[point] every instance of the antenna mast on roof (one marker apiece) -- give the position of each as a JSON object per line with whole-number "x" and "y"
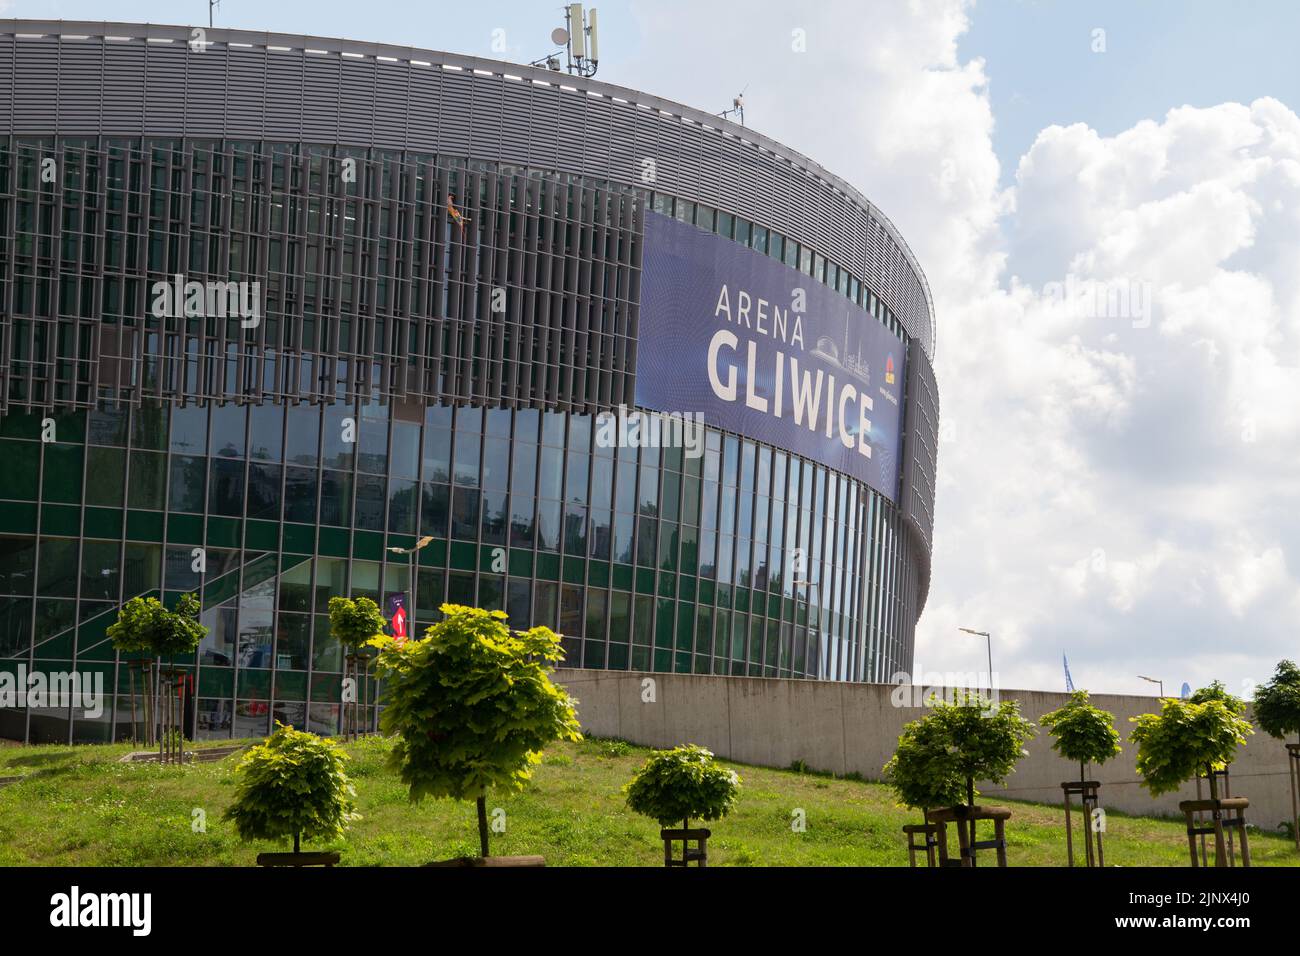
{"x": 579, "y": 41}
{"x": 211, "y": 5}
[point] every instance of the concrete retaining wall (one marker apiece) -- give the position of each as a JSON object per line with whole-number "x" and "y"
{"x": 845, "y": 728}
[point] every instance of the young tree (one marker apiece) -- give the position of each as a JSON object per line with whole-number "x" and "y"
{"x": 473, "y": 706}
{"x": 681, "y": 784}
{"x": 1083, "y": 733}
{"x": 354, "y": 623}
{"x": 1277, "y": 703}
{"x": 1187, "y": 738}
{"x": 922, "y": 772}
{"x": 145, "y": 625}
{"x": 292, "y": 785}
{"x": 1277, "y": 711}
{"x": 986, "y": 740}
{"x": 1216, "y": 691}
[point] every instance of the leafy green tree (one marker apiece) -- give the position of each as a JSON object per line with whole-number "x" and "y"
{"x": 681, "y": 784}
{"x": 473, "y": 706}
{"x": 985, "y": 740}
{"x": 293, "y": 784}
{"x": 1082, "y": 732}
{"x": 145, "y": 625}
{"x": 1216, "y": 691}
{"x": 1188, "y": 738}
{"x": 1277, "y": 703}
{"x": 922, "y": 772}
{"x": 355, "y": 622}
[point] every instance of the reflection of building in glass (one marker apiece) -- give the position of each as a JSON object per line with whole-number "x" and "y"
{"x": 389, "y": 392}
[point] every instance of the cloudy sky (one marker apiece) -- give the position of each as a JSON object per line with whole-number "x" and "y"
{"x": 1106, "y": 200}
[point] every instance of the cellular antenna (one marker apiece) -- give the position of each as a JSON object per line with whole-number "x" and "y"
{"x": 579, "y": 43}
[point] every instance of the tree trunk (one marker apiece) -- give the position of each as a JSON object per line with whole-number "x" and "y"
{"x": 482, "y": 825}
{"x": 296, "y": 837}
{"x": 970, "y": 802}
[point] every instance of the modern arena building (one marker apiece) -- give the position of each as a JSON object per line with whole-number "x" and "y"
{"x": 275, "y": 310}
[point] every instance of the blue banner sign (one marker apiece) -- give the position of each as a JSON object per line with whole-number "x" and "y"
{"x": 761, "y": 349}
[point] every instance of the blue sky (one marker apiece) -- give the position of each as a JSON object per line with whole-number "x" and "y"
{"x": 1120, "y": 487}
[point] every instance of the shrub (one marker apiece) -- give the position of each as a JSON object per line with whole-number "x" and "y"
{"x": 681, "y": 784}
{"x": 292, "y": 785}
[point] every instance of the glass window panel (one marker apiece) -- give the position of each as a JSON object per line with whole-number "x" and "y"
{"x": 437, "y": 454}
{"x": 188, "y": 484}
{"x": 372, "y": 453}
{"x": 107, "y": 466}
{"x": 263, "y": 491}
{"x": 550, "y": 472}
{"x": 300, "y": 495}
{"x": 149, "y": 427}
{"x": 57, "y": 568}
{"x": 496, "y": 463}
{"x": 226, "y": 493}
{"x": 403, "y": 501}
{"x": 335, "y": 498}
{"x": 404, "y": 460}
{"x": 101, "y": 564}
{"x": 218, "y": 645}
{"x": 189, "y": 433}
{"x": 107, "y": 426}
{"x": 61, "y": 480}
{"x": 465, "y": 514}
{"x": 331, "y": 581}
{"x": 365, "y": 580}
{"x": 371, "y": 498}
{"x": 142, "y": 569}
{"x": 17, "y": 565}
{"x": 338, "y": 436}
{"x": 293, "y": 641}
{"x": 434, "y": 508}
{"x": 302, "y": 434}
{"x": 228, "y": 424}
{"x": 266, "y": 428}
{"x": 467, "y": 458}
{"x": 494, "y": 517}
{"x": 548, "y": 525}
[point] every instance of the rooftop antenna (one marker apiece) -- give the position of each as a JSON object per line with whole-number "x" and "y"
{"x": 211, "y": 5}
{"x": 737, "y": 107}
{"x": 579, "y": 42}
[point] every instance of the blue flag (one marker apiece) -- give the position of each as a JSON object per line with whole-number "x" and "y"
{"x": 1069, "y": 681}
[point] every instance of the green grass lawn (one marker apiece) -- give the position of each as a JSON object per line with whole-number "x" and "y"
{"x": 79, "y": 806}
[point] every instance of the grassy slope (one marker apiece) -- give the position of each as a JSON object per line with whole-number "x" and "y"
{"x": 81, "y": 807}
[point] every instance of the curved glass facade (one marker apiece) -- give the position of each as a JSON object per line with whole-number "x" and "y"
{"x": 446, "y": 305}
{"x": 643, "y": 558}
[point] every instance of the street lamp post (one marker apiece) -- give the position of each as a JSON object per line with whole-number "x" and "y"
{"x": 1153, "y": 680}
{"x": 989, "y": 638}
